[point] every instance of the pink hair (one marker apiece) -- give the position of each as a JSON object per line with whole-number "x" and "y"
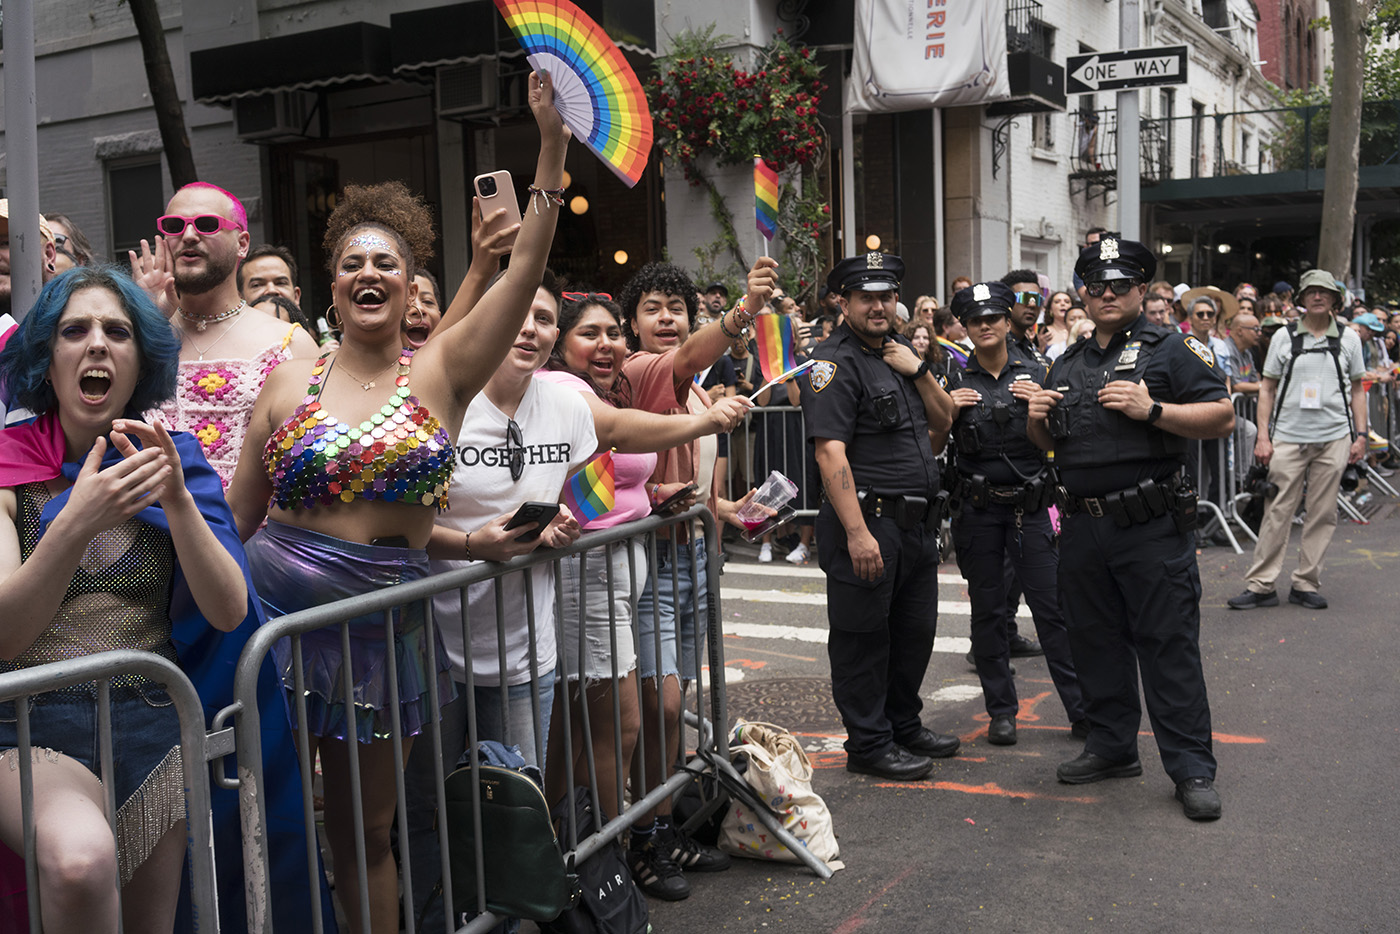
{"x": 240, "y": 215}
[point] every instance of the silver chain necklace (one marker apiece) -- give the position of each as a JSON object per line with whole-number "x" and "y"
{"x": 201, "y": 322}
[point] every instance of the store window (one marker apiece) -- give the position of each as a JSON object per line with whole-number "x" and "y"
{"x": 135, "y": 198}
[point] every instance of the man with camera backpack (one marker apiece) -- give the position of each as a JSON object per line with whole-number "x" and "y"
{"x": 1312, "y": 423}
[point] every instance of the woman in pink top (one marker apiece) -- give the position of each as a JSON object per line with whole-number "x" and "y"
{"x": 588, "y": 357}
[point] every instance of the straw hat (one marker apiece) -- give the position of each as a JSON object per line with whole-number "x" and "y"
{"x": 1225, "y": 303}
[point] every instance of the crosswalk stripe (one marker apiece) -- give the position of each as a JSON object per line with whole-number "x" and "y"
{"x": 783, "y": 569}
{"x": 945, "y": 607}
{"x": 960, "y": 645}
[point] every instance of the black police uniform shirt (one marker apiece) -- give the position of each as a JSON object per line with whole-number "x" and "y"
{"x": 1104, "y": 450}
{"x": 852, "y": 395}
{"x": 1001, "y": 447}
{"x": 1027, "y": 348}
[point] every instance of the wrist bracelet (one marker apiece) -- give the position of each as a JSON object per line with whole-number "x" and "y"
{"x": 923, "y": 368}
{"x": 654, "y": 490}
{"x": 728, "y": 333}
{"x": 555, "y": 195}
{"x": 741, "y": 311}
{"x": 467, "y": 545}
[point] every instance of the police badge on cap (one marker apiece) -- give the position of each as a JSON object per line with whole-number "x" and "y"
{"x": 871, "y": 272}
{"x": 983, "y": 298}
{"x": 1115, "y": 258}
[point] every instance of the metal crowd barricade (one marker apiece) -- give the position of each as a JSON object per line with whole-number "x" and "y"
{"x": 102, "y": 667}
{"x": 711, "y": 741}
{"x": 774, "y": 437}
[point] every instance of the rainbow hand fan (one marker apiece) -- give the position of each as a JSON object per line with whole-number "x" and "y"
{"x": 595, "y": 90}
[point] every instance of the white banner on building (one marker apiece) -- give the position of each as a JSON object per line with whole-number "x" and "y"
{"x": 915, "y": 54}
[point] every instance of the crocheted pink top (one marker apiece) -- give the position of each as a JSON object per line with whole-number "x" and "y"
{"x": 214, "y": 402}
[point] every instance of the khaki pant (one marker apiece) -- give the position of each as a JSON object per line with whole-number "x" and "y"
{"x": 1321, "y": 465}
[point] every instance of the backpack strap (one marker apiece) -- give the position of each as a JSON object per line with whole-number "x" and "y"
{"x": 1334, "y": 347}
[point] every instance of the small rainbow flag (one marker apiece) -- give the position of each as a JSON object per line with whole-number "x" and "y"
{"x": 765, "y": 200}
{"x": 775, "y": 345}
{"x": 592, "y": 491}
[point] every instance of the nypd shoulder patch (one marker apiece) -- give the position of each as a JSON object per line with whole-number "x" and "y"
{"x": 820, "y": 375}
{"x": 1201, "y": 350}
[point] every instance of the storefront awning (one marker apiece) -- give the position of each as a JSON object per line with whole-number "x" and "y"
{"x": 350, "y": 54}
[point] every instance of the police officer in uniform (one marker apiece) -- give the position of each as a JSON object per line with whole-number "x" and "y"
{"x": 1001, "y": 490}
{"x": 1118, "y": 410}
{"x": 871, "y": 408}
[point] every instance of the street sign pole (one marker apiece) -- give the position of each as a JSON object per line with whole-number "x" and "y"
{"x": 22, "y": 158}
{"x": 1129, "y": 130}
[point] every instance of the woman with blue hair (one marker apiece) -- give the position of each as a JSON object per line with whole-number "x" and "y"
{"x": 107, "y": 532}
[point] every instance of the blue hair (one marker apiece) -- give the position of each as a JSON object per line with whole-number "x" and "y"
{"x": 24, "y": 363}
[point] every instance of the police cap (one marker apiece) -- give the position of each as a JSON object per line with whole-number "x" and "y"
{"x": 871, "y": 272}
{"x": 1115, "y": 258}
{"x": 984, "y": 298}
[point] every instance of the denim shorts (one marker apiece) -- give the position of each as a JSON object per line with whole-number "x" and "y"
{"x": 604, "y": 607}
{"x": 145, "y": 727}
{"x": 677, "y": 612}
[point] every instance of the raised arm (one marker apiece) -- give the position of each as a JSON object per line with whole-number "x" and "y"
{"x": 709, "y": 343}
{"x": 636, "y": 431}
{"x": 471, "y": 349}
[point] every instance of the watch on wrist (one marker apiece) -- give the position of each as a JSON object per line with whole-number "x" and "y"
{"x": 923, "y": 368}
{"x": 1154, "y": 413}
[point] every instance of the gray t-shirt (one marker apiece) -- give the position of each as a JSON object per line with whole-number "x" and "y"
{"x": 1314, "y": 410}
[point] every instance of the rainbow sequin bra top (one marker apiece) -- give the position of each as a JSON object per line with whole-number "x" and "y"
{"x": 400, "y": 454}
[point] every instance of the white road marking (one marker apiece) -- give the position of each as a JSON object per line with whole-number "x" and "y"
{"x": 954, "y": 607}
{"x": 953, "y": 644}
{"x": 955, "y": 692}
{"x": 783, "y": 569}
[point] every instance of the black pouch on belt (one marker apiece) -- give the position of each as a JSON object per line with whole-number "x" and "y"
{"x": 910, "y": 511}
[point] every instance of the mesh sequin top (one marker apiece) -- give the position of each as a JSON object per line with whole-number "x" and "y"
{"x": 400, "y": 454}
{"x": 119, "y": 597}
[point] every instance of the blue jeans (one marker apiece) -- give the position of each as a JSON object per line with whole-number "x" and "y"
{"x": 679, "y": 612}
{"x": 422, "y": 772}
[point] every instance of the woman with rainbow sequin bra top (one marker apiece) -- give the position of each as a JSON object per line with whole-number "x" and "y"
{"x": 355, "y": 454}
{"x": 103, "y": 545}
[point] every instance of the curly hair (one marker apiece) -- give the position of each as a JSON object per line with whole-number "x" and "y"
{"x": 620, "y": 396}
{"x": 25, "y": 361}
{"x": 666, "y": 278}
{"x": 389, "y": 206}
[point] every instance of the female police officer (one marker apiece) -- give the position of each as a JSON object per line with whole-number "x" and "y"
{"x": 1002, "y": 489}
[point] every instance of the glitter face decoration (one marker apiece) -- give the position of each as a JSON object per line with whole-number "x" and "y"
{"x": 372, "y": 241}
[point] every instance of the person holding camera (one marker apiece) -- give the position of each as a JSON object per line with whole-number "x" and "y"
{"x": 1312, "y": 423}
{"x": 1001, "y": 489}
{"x": 1118, "y": 411}
{"x": 871, "y": 408}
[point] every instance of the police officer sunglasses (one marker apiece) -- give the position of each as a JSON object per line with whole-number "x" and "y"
{"x": 173, "y": 225}
{"x": 1119, "y": 287}
{"x": 1030, "y": 299}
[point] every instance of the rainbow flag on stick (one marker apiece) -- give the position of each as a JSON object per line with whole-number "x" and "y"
{"x": 775, "y": 345}
{"x": 765, "y": 200}
{"x": 592, "y": 491}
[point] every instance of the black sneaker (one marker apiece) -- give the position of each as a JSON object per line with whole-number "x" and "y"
{"x": 657, "y": 874}
{"x": 689, "y": 855}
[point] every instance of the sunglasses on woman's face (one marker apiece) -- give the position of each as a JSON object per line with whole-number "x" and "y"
{"x": 1119, "y": 287}
{"x": 174, "y": 225}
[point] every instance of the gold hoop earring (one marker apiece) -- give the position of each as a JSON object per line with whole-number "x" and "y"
{"x": 333, "y": 316}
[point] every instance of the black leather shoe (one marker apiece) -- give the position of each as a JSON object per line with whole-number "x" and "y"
{"x": 1002, "y": 731}
{"x": 931, "y": 744}
{"x": 1079, "y": 729}
{"x": 898, "y": 764}
{"x": 1199, "y": 799}
{"x": 1249, "y": 600}
{"x": 1022, "y": 647}
{"x": 1088, "y": 767}
{"x": 972, "y": 660}
{"x": 1310, "y": 599}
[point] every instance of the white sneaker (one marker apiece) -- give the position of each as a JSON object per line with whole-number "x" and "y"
{"x": 798, "y": 555}
{"x": 765, "y": 553}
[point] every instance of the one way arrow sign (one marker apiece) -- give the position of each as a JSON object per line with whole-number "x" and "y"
{"x": 1128, "y": 68}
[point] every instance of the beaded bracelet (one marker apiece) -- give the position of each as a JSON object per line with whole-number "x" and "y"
{"x": 728, "y": 333}
{"x": 555, "y": 195}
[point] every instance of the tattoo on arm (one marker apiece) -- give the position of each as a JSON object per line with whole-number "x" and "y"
{"x": 845, "y": 478}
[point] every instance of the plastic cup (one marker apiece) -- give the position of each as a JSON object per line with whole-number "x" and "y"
{"x": 758, "y": 514}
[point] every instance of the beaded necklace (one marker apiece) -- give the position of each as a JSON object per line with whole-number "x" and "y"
{"x": 401, "y": 453}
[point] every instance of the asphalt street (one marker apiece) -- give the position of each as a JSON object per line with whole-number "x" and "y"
{"x": 1306, "y": 721}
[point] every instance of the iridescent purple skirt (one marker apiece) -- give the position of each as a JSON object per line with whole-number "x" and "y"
{"x": 295, "y": 568}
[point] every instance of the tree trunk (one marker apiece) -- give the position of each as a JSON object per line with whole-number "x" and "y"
{"x": 1340, "y": 181}
{"x": 165, "y": 97}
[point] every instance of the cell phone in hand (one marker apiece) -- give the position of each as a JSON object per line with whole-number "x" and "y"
{"x": 495, "y": 190}
{"x": 542, "y": 513}
{"x": 675, "y": 498}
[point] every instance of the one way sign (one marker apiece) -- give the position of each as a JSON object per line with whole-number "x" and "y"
{"x": 1129, "y": 68}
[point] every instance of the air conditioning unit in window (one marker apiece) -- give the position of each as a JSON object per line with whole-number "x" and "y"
{"x": 271, "y": 116}
{"x": 464, "y": 90}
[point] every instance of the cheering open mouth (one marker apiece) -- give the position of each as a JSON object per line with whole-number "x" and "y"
{"x": 370, "y": 297}
{"x": 95, "y": 384}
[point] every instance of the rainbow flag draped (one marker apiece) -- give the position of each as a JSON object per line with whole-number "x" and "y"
{"x": 775, "y": 345}
{"x": 957, "y": 351}
{"x": 765, "y": 200}
{"x": 592, "y": 491}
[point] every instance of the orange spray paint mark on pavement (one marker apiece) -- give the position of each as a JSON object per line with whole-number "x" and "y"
{"x": 858, "y": 920}
{"x": 990, "y": 788}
